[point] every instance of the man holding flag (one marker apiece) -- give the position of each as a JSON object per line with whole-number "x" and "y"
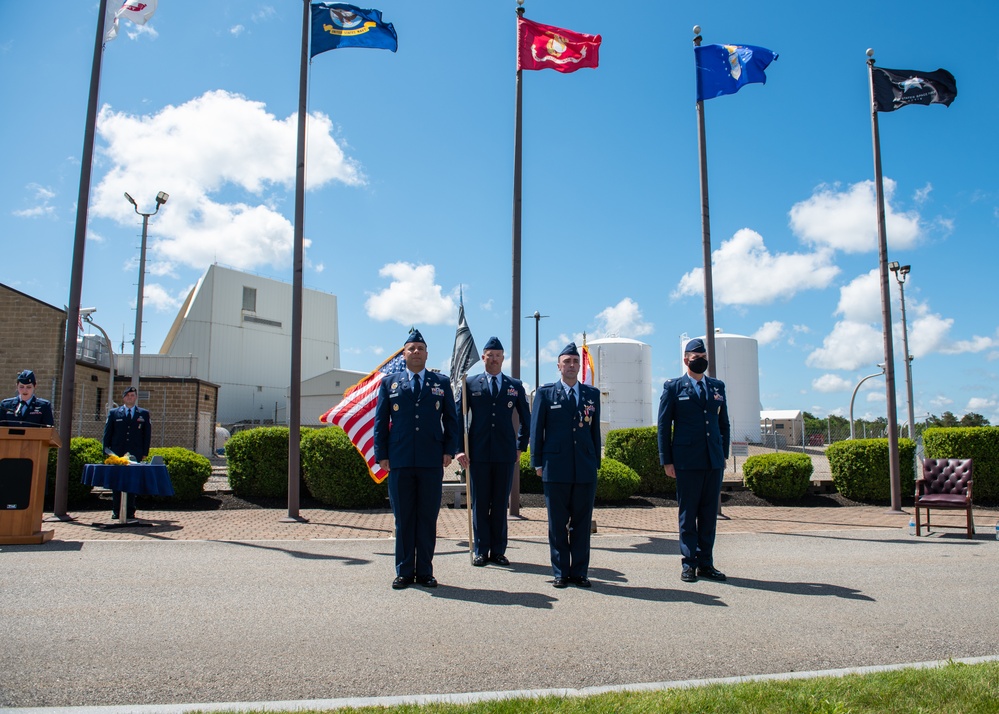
{"x": 499, "y": 431}
{"x": 416, "y": 437}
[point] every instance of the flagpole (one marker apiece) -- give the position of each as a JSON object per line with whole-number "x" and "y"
{"x": 893, "y": 460}
{"x": 515, "y": 313}
{"x": 61, "y": 495}
{"x": 709, "y": 307}
{"x": 295, "y": 405}
{"x": 468, "y": 469}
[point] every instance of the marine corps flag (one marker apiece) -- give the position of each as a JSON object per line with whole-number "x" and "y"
{"x": 895, "y": 88}
{"x": 547, "y": 47}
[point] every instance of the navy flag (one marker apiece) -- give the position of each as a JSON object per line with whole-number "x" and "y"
{"x": 725, "y": 69}
{"x": 336, "y": 25}
{"x": 895, "y": 88}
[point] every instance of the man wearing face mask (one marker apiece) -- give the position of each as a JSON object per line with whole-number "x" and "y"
{"x": 693, "y": 447}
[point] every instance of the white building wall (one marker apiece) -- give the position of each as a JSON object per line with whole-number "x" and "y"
{"x": 623, "y": 374}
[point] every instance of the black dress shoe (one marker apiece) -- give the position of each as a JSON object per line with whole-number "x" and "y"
{"x": 711, "y": 574}
{"x": 582, "y": 582}
{"x": 688, "y": 575}
{"x": 561, "y": 583}
{"x": 479, "y": 561}
{"x": 500, "y": 559}
{"x": 401, "y": 583}
{"x": 427, "y": 581}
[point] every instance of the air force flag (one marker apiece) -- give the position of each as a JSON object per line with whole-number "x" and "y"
{"x": 725, "y": 69}
{"x": 336, "y": 25}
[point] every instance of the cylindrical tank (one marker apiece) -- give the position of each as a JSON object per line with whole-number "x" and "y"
{"x": 623, "y": 373}
{"x": 737, "y": 363}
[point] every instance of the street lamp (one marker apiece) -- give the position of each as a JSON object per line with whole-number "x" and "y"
{"x": 87, "y": 314}
{"x": 537, "y": 317}
{"x": 901, "y": 271}
{"x": 857, "y": 388}
{"x": 161, "y": 198}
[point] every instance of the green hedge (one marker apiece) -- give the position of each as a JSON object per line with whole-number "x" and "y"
{"x": 778, "y": 475}
{"x": 82, "y": 451}
{"x": 860, "y": 468}
{"x": 188, "y": 472}
{"x": 530, "y": 482}
{"x": 638, "y": 448}
{"x": 980, "y": 443}
{"x": 258, "y": 462}
{"x": 616, "y": 481}
{"x": 336, "y": 473}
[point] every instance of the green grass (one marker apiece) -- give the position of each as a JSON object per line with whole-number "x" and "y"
{"x": 951, "y": 689}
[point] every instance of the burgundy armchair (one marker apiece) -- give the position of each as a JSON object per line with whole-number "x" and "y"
{"x": 946, "y": 485}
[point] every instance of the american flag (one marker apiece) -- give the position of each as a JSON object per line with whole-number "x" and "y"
{"x": 355, "y": 414}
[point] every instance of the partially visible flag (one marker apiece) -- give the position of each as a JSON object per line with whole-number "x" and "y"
{"x": 547, "y": 47}
{"x": 355, "y": 414}
{"x": 465, "y": 354}
{"x": 336, "y": 25}
{"x": 586, "y": 366}
{"x": 137, "y": 12}
{"x": 725, "y": 69}
{"x": 895, "y": 88}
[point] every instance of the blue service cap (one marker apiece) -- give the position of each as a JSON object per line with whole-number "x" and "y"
{"x": 129, "y": 390}
{"x": 569, "y": 349}
{"x": 26, "y": 376}
{"x": 695, "y": 345}
{"x": 415, "y": 336}
{"x": 493, "y": 344}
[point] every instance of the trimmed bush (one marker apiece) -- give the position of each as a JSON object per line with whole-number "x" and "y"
{"x": 778, "y": 475}
{"x": 638, "y": 448}
{"x": 860, "y": 468}
{"x": 336, "y": 473}
{"x": 82, "y": 451}
{"x": 616, "y": 481}
{"x": 530, "y": 482}
{"x": 979, "y": 443}
{"x": 188, "y": 472}
{"x": 258, "y": 462}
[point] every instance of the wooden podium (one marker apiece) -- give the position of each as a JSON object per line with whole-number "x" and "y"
{"x": 24, "y": 460}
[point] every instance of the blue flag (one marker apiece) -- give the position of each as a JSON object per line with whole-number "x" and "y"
{"x": 336, "y": 25}
{"x": 725, "y": 69}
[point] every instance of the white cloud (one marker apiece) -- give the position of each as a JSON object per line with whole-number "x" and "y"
{"x": 156, "y": 296}
{"x": 876, "y": 397}
{"x": 622, "y": 320}
{"x": 744, "y": 272}
{"x": 860, "y": 299}
{"x": 412, "y": 298}
{"x": 487, "y": 305}
{"x": 846, "y": 220}
{"x": 941, "y": 402}
{"x": 975, "y": 344}
{"x": 831, "y": 383}
{"x": 237, "y": 30}
{"x": 922, "y": 194}
{"x": 216, "y": 155}
{"x": 769, "y": 332}
{"x": 981, "y": 404}
{"x": 42, "y": 198}
{"x": 264, "y": 13}
{"x": 802, "y": 328}
{"x": 850, "y": 345}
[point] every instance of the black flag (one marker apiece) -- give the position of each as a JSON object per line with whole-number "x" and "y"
{"x": 895, "y": 88}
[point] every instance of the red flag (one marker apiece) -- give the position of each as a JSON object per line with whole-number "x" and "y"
{"x": 586, "y": 366}
{"x": 547, "y": 47}
{"x": 356, "y": 413}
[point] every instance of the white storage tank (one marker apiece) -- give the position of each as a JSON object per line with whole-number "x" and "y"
{"x": 737, "y": 363}
{"x": 622, "y": 370}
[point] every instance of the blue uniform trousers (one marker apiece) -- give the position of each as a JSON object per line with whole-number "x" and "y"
{"x": 697, "y": 493}
{"x": 491, "y": 484}
{"x": 415, "y": 495}
{"x": 570, "y": 512}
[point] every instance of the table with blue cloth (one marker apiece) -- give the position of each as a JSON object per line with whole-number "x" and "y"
{"x": 142, "y": 479}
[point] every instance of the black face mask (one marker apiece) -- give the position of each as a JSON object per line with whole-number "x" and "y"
{"x": 698, "y": 365}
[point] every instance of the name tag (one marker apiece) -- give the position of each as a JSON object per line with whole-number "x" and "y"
{"x": 682, "y": 398}
{"x": 556, "y": 406}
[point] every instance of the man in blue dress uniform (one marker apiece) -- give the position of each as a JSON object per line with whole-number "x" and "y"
{"x": 26, "y": 409}
{"x": 693, "y": 447}
{"x": 565, "y": 452}
{"x": 416, "y": 436}
{"x": 127, "y": 431}
{"x": 494, "y": 444}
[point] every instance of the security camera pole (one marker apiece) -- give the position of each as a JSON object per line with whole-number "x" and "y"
{"x": 161, "y": 198}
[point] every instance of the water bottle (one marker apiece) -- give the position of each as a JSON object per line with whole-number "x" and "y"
{"x": 997, "y": 530}
{"x": 912, "y": 527}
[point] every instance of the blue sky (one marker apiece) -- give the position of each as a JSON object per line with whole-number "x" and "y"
{"x": 410, "y": 180}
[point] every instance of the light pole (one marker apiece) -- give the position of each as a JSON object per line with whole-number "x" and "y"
{"x": 87, "y": 314}
{"x": 901, "y": 271}
{"x": 537, "y": 317}
{"x": 161, "y": 198}
{"x": 856, "y": 389}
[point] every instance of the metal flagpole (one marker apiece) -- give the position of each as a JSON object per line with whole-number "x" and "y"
{"x": 709, "y": 307}
{"x": 468, "y": 469}
{"x": 61, "y": 496}
{"x": 295, "y": 407}
{"x": 889, "y": 366}
{"x": 515, "y": 313}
